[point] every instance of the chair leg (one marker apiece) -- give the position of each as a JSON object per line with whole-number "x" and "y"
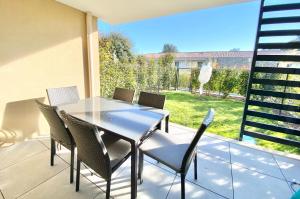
{"x": 182, "y": 186}
{"x": 141, "y": 166}
{"x": 159, "y": 126}
{"x": 72, "y": 165}
{"x": 108, "y": 189}
{"x": 195, "y": 167}
{"x": 78, "y": 174}
{"x": 52, "y": 152}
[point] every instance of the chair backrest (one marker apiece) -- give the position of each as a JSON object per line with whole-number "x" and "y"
{"x": 124, "y": 94}
{"x": 189, "y": 153}
{"x": 152, "y": 100}
{"x": 58, "y": 130}
{"x": 90, "y": 147}
{"x": 63, "y": 95}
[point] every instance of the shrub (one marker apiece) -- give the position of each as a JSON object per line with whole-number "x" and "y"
{"x": 195, "y": 84}
{"x": 230, "y": 81}
{"x": 243, "y": 82}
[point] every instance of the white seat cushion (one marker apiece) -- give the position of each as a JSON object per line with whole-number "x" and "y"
{"x": 167, "y": 148}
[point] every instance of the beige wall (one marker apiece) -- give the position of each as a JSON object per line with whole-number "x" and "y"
{"x": 42, "y": 44}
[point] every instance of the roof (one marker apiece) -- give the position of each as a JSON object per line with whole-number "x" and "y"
{"x": 211, "y": 54}
{"x": 122, "y": 11}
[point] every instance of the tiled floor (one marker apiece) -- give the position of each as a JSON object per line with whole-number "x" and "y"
{"x": 226, "y": 169}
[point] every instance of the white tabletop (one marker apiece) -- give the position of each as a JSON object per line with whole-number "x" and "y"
{"x": 131, "y": 121}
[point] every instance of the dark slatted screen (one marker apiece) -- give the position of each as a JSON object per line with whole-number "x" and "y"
{"x": 272, "y": 108}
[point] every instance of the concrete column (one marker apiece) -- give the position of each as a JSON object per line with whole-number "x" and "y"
{"x": 93, "y": 55}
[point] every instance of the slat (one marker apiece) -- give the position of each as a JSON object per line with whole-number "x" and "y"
{"x": 293, "y": 71}
{"x": 272, "y": 138}
{"x": 281, "y": 7}
{"x": 273, "y": 128}
{"x": 268, "y": 33}
{"x": 276, "y": 82}
{"x": 274, "y": 106}
{"x": 273, "y": 117}
{"x": 275, "y": 94}
{"x": 291, "y": 58}
{"x": 275, "y": 20}
{"x": 289, "y": 45}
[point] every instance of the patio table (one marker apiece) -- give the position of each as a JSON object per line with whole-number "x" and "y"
{"x": 130, "y": 122}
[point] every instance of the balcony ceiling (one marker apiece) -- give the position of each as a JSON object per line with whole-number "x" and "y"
{"x": 122, "y": 11}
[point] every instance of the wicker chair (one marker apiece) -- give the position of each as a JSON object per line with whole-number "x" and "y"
{"x": 152, "y": 100}
{"x": 58, "y": 132}
{"x": 174, "y": 151}
{"x": 123, "y": 94}
{"x": 102, "y": 153}
{"x": 63, "y": 95}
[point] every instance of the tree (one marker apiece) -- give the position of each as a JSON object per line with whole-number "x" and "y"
{"x": 229, "y": 82}
{"x": 166, "y": 71}
{"x": 120, "y": 47}
{"x": 195, "y": 84}
{"x": 169, "y": 48}
{"x": 243, "y": 82}
{"x": 152, "y": 72}
{"x": 141, "y": 72}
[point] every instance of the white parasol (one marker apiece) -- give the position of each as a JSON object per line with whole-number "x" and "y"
{"x": 204, "y": 76}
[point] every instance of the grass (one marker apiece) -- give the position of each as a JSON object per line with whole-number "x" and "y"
{"x": 189, "y": 110}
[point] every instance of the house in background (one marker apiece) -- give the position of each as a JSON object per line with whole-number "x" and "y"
{"x": 221, "y": 59}
{"x": 188, "y": 60}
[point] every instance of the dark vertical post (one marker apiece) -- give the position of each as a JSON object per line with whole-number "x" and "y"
{"x": 78, "y": 174}
{"x": 141, "y": 166}
{"x": 133, "y": 169}
{"x": 52, "y": 152}
{"x": 167, "y": 123}
{"x": 182, "y": 186}
{"x": 108, "y": 183}
{"x": 72, "y": 164}
{"x": 195, "y": 166}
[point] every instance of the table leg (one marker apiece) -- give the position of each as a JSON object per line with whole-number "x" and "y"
{"x": 134, "y": 154}
{"x": 167, "y": 124}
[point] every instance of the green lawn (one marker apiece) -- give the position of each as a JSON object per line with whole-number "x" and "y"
{"x": 188, "y": 109}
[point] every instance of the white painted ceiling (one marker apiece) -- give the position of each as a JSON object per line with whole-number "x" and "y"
{"x": 122, "y": 11}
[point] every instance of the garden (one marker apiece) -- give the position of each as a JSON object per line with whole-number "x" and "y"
{"x": 119, "y": 67}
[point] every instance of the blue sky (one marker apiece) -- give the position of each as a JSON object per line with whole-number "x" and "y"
{"x": 215, "y": 29}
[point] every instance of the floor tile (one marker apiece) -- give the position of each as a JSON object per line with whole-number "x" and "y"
{"x": 214, "y": 147}
{"x": 25, "y": 175}
{"x": 98, "y": 180}
{"x": 59, "y": 187}
{"x": 213, "y": 174}
{"x": 46, "y": 142}
{"x": 20, "y": 151}
{"x": 65, "y": 154}
{"x": 251, "y": 185}
{"x": 154, "y": 162}
{"x": 191, "y": 191}
{"x": 156, "y": 183}
{"x": 290, "y": 167}
{"x": 255, "y": 160}
{"x": 177, "y": 129}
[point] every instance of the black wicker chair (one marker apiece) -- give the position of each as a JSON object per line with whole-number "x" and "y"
{"x": 124, "y": 94}
{"x": 102, "y": 153}
{"x": 152, "y": 100}
{"x": 58, "y": 133}
{"x": 63, "y": 95}
{"x": 163, "y": 148}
